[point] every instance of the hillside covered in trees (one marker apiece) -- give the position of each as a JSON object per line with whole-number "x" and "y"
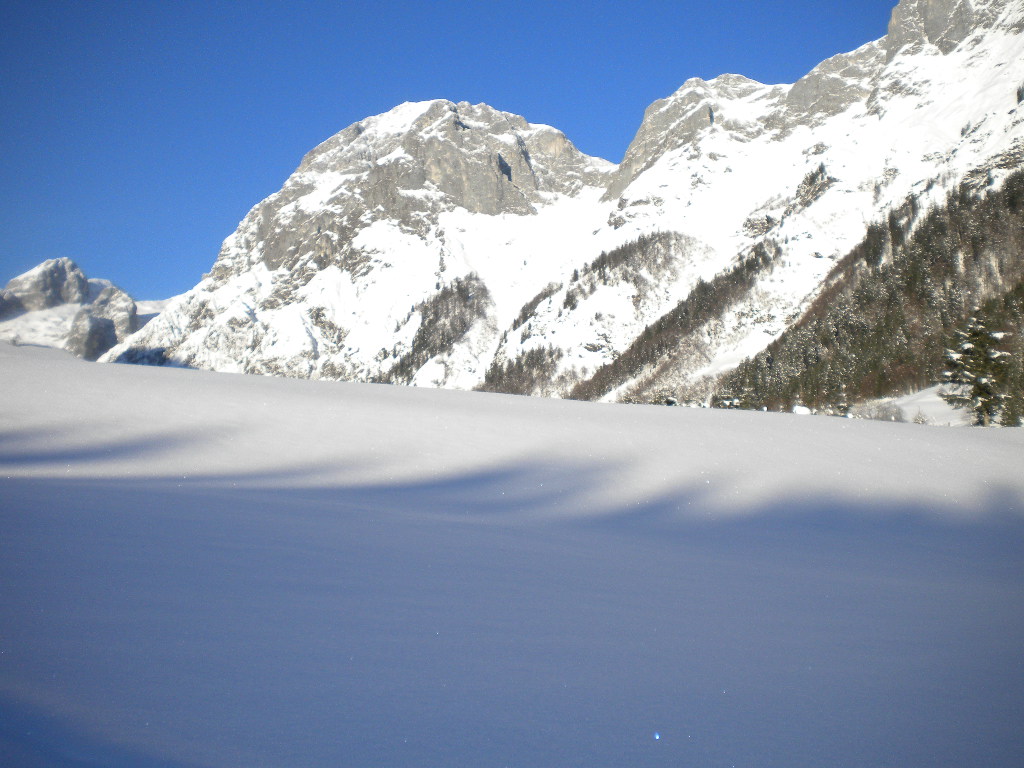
{"x": 891, "y": 306}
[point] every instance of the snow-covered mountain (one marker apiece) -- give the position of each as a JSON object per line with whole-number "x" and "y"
{"x": 455, "y": 245}
{"x": 55, "y": 305}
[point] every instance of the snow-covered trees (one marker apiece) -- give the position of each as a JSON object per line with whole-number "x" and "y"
{"x": 976, "y": 372}
{"x": 882, "y": 324}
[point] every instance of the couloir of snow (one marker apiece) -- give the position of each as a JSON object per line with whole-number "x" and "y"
{"x": 203, "y": 569}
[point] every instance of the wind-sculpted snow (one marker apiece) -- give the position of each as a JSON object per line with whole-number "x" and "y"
{"x": 208, "y": 569}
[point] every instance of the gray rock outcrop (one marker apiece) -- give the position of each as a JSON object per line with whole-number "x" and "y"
{"x": 110, "y": 319}
{"x": 54, "y": 282}
{"x": 942, "y": 23}
{"x": 832, "y": 87}
{"x": 117, "y": 306}
{"x": 90, "y": 336}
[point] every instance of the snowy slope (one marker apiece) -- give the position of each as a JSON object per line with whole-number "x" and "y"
{"x": 46, "y": 327}
{"x": 205, "y": 569}
{"x": 911, "y": 115}
{"x": 928, "y": 407}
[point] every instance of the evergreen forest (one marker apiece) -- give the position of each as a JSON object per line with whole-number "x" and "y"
{"x": 893, "y": 305}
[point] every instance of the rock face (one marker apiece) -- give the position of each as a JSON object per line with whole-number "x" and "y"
{"x": 54, "y": 304}
{"x": 54, "y": 282}
{"x": 109, "y": 319}
{"x": 444, "y": 244}
{"x": 90, "y": 336}
{"x": 941, "y": 23}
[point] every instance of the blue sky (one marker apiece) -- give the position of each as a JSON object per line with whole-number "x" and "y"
{"x": 134, "y": 136}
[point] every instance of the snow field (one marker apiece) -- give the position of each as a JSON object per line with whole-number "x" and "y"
{"x": 206, "y": 569}
{"x": 47, "y": 327}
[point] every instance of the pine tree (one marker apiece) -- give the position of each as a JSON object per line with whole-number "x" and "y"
{"x": 975, "y": 372}
{"x": 1013, "y": 412}
{"x": 842, "y": 402}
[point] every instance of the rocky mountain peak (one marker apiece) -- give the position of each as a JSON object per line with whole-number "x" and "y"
{"x": 54, "y": 304}
{"x": 478, "y": 157}
{"x": 408, "y": 164}
{"x": 694, "y": 110}
{"x": 54, "y": 282}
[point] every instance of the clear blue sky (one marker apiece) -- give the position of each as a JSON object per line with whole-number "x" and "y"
{"x": 134, "y": 136}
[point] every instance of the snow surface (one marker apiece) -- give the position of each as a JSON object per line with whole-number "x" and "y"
{"x": 927, "y": 405}
{"x": 49, "y": 327}
{"x": 154, "y": 307}
{"x": 45, "y": 327}
{"x": 204, "y": 569}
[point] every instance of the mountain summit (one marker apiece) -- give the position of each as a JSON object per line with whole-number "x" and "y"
{"x": 55, "y": 305}
{"x": 455, "y": 245}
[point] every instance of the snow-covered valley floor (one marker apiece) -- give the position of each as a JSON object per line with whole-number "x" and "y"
{"x": 202, "y": 569}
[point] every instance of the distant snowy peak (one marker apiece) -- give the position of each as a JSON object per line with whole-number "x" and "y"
{"x": 55, "y": 305}
{"x": 749, "y": 110}
{"x": 54, "y": 282}
{"x": 407, "y": 166}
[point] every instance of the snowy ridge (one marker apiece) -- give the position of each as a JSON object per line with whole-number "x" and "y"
{"x": 335, "y": 275}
